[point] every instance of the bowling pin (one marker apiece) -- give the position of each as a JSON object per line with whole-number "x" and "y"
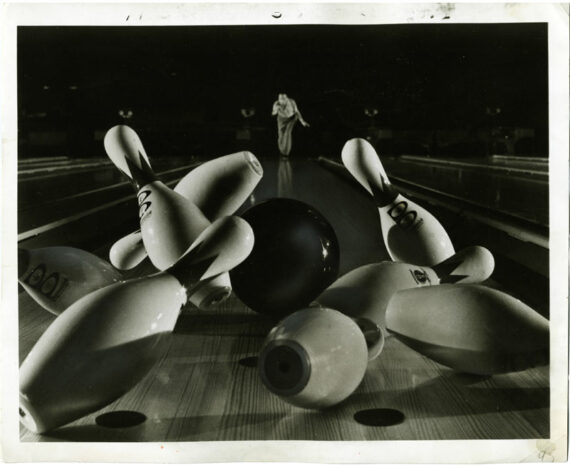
{"x": 55, "y": 277}
{"x": 169, "y": 222}
{"x": 106, "y": 342}
{"x": 411, "y": 234}
{"x": 314, "y": 358}
{"x": 217, "y": 187}
{"x": 220, "y": 186}
{"x": 364, "y": 293}
{"x": 470, "y": 328}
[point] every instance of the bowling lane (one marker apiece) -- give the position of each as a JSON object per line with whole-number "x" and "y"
{"x": 517, "y": 189}
{"x": 88, "y": 210}
{"x": 80, "y": 192}
{"x": 65, "y": 178}
{"x": 54, "y": 181}
{"x": 207, "y": 388}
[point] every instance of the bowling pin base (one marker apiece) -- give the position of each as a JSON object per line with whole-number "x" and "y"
{"x": 211, "y": 292}
{"x": 29, "y": 418}
{"x": 477, "y": 362}
{"x": 285, "y": 367}
{"x": 206, "y": 297}
{"x": 314, "y": 359}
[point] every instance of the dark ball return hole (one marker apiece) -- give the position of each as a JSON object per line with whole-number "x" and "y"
{"x": 379, "y": 417}
{"x": 250, "y": 362}
{"x": 120, "y": 419}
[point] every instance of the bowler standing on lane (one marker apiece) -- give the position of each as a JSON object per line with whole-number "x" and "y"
{"x": 287, "y": 115}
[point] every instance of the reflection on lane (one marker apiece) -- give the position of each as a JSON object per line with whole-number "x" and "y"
{"x": 525, "y": 197}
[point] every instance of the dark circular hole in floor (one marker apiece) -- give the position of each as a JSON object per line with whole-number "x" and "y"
{"x": 379, "y": 417}
{"x": 250, "y": 362}
{"x": 120, "y": 419}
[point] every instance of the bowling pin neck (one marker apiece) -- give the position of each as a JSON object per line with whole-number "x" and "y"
{"x": 190, "y": 269}
{"x": 126, "y": 151}
{"x": 470, "y": 265}
{"x": 23, "y": 261}
{"x": 373, "y": 336}
{"x": 141, "y": 173}
{"x": 385, "y": 193}
{"x": 363, "y": 162}
{"x": 222, "y": 246}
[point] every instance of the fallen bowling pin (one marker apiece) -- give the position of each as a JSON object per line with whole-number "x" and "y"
{"x": 169, "y": 222}
{"x": 364, "y": 293}
{"x": 411, "y": 234}
{"x": 217, "y": 187}
{"x": 106, "y": 342}
{"x": 56, "y": 277}
{"x": 314, "y": 358}
{"x": 470, "y": 328}
{"x": 220, "y": 186}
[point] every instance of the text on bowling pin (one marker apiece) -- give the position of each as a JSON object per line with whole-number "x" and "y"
{"x": 404, "y": 218}
{"x": 51, "y": 286}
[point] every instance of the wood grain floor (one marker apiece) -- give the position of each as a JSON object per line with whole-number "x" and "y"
{"x": 203, "y": 391}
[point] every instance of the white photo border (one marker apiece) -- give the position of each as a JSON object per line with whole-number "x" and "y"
{"x": 230, "y": 13}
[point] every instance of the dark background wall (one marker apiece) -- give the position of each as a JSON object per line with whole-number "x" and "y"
{"x": 457, "y": 90}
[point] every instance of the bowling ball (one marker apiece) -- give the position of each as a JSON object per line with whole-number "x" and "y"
{"x": 294, "y": 258}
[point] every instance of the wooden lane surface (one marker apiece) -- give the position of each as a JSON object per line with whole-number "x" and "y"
{"x": 200, "y": 391}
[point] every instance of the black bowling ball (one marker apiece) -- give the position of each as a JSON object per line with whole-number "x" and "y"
{"x": 294, "y": 258}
